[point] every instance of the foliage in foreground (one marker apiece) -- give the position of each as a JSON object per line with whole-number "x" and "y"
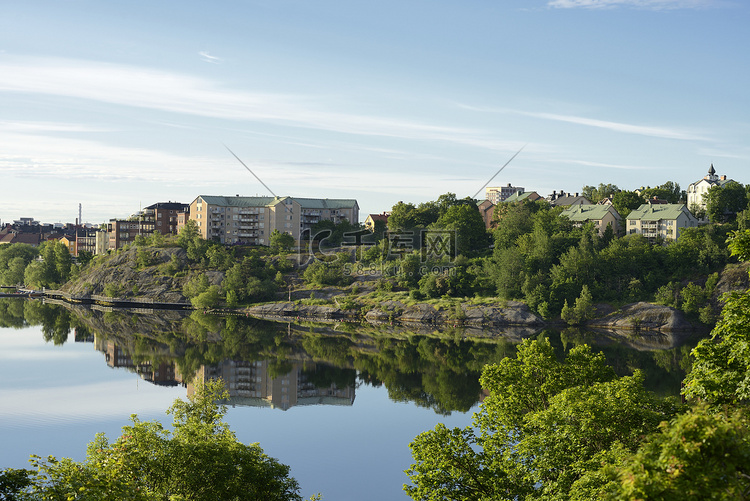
{"x": 545, "y": 425}
{"x": 201, "y": 459}
{"x": 572, "y": 430}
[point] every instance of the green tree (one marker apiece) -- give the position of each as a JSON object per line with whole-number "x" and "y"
{"x": 544, "y": 425}
{"x": 467, "y": 226}
{"x": 697, "y": 455}
{"x": 582, "y": 311}
{"x": 207, "y": 299}
{"x": 599, "y": 193}
{"x": 14, "y": 259}
{"x": 280, "y": 242}
{"x": 199, "y": 459}
{"x": 626, "y": 201}
{"x": 724, "y": 202}
{"x": 188, "y": 233}
{"x": 197, "y": 285}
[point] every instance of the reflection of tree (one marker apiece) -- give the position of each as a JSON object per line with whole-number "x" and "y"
{"x": 325, "y": 376}
{"x": 278, "y": 368}
{"x": 440, "y": 373}
{"x": 11, "y": 313}
{"x": 663, "y": 369}
{"x": 55, "y": 322}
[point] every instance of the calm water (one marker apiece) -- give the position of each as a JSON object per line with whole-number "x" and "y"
{"x": 340, "y": 407}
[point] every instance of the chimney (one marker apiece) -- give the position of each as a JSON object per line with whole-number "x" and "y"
{"x": 724, "y": 178}
{"x": 576, "y": 193}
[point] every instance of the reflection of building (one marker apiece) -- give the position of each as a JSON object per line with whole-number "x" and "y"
{"x": 162, "y": 374}
{"x": 249, "y": 383}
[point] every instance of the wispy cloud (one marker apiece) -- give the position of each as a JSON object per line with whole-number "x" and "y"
{"x": 639, "y": 4}
{"x": 663, "y": 132}
{"x": 642, "y": 130}
{"x": 184, "y": 94}
{"x": 208, "y": 58}
{"x": 605, "y": 165}
{"x": 39, "y": 127}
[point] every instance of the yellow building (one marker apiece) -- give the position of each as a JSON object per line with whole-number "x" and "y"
{"x": 664, "y": 221}
{"x": 251, "y": 220}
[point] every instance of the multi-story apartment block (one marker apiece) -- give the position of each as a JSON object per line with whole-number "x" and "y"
{"x": 601, "y": 215}
{"x": 500, "y": 193}
{"x": 122, "y": 233}
{"x": 251, "y": 220}
{"x": 164, "y": 215}
{"x": 696, "y": 190}
{"x": 85, "y": 239}
{"x": 660, "y": 221}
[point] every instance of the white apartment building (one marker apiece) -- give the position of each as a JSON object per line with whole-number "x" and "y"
{"x": 500, "y": 193}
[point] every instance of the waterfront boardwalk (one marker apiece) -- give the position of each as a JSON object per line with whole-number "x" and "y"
{"x": 134, "y": 303}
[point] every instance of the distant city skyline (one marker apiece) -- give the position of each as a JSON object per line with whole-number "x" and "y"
{"x": 118, "y": 108}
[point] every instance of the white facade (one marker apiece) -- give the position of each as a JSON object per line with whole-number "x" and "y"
{"x": 696, "y": 190}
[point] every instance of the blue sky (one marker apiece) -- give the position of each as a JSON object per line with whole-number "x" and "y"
{"x": 117, "y": 105}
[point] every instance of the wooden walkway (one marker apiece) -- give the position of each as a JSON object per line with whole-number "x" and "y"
{"x": 104, "y": 301}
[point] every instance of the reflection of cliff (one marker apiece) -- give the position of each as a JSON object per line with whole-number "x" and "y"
{"x": 162, "y": 374}
{"x": 438, "y": 370}
{"x": 253, "y": 384}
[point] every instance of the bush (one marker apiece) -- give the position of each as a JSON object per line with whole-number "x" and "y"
{"x": 208, "y": 299}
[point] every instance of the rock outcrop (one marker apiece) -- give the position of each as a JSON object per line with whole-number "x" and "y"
{"x": 644, "y": 316}
{"x": 121, "y": 276}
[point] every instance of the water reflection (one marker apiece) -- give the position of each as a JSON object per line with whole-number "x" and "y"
{"x": 270, "y": 364}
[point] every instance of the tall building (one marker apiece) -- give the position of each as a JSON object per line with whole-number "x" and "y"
{"x": 124, "y": 232}
{"x": 251, "y": 220}
{"x": 161, "y": 217}
{"x": 164, "y": 216}
{"x": 499, "y": 194}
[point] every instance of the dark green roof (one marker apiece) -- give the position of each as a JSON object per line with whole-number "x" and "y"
{"x": 238, "y": 201}
{"x": 655, "y": 212}
{"x": 588, "y": 212}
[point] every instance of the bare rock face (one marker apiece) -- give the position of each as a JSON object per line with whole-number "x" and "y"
{"x": 123, "y": 278}
{"x": 734, "y": 277}
{"x": 293, "y": 310}
{"x": 645, "y": 316}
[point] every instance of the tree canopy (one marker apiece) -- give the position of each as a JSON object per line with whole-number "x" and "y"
{"x": 544, "y": 426}
{"x": 199, "y": 459}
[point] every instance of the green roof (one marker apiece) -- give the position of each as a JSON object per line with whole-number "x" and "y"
{"x": 655, "y": 212}
{"x": 326, "y": 203}
{"x": 238, "y": 201}
{"x": 518, "y": 196}
{"x": 306, "y": 203}
{"x": 587, "y": 212}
